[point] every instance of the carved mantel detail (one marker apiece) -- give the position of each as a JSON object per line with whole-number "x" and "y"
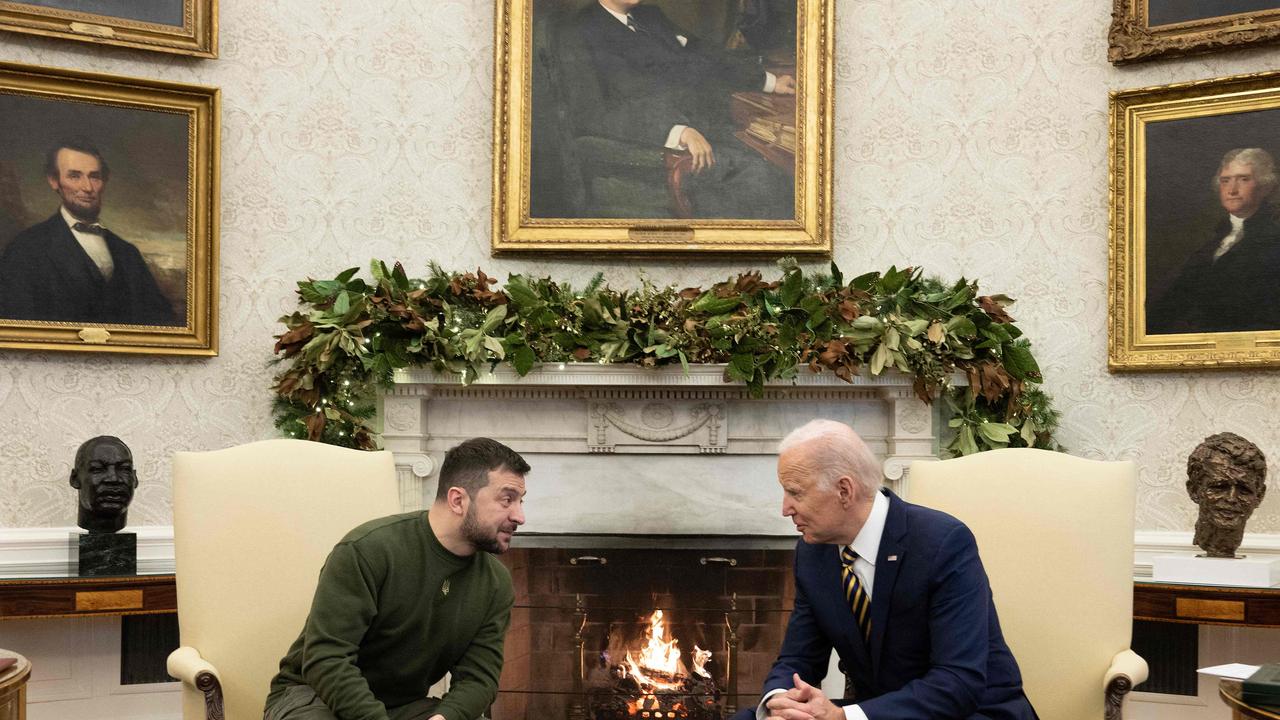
{"x": 606, "y": 440}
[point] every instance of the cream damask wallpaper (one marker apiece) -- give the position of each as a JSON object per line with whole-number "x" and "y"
{"x": 970, "y": 139}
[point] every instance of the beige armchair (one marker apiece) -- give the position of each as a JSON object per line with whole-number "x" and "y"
{"x": 1056, "y": 537}
{"x": 252, "y": 526}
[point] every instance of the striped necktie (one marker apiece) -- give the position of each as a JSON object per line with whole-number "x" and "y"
{"x": 854, "y": 594}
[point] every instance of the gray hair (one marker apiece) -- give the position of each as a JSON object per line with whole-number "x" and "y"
{"x": 836, "y": 450}
{"x": 1264, "y": 167}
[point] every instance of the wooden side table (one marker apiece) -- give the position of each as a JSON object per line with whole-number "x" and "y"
{"x": 1230, "y": 692}
{"x": 29, "y": 598}
{"x": 13, "y": 687}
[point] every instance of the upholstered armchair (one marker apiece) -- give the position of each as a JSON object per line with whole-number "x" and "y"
{"x": 1056, "y": 537}
{"x": 252, "y": 527}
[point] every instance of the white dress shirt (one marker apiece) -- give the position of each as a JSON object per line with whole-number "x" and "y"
{"x": 95, "y": 246}
{"x": 673, "y": 137}
{"x": 867, "y": 546}
{"x": 1233, "y": 237}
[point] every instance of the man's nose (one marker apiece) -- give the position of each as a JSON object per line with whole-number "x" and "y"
{"x": 517, "y": 515}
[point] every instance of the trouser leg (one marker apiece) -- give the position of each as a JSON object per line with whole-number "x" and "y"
{"x": 416, "y": 710}
{"x": 741, "y": 185}
{"x": 297, "y": 702}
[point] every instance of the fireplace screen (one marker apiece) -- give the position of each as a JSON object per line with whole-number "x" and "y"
{"x": 644, "y": 634}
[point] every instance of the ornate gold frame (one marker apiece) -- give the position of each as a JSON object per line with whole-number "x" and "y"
{"x": 201, "y": 106}
{"x": 515, "y": 231}
{"x": 1132, "y": 39}
{"x": 198, "y": 35}
{"x": 1129, "y": 347}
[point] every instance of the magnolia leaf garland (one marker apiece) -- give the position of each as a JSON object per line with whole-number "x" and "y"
{"x": 350, "y": 335}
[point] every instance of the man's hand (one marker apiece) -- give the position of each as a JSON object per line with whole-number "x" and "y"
{"x": 784, "y": 85}
{"x": 437, "y": 716}
{"x": 803, "y": 702}
{"x": 699, "y": 148}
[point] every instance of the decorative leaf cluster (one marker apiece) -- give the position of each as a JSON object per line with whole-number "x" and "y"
{"x": 351, "y": 335}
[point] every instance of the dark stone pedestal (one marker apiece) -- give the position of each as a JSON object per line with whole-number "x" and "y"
{"x": 104, "y": 554}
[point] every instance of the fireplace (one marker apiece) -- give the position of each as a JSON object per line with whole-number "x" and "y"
{"x": 634, "y": 628}
{"x": 651, "y": 489}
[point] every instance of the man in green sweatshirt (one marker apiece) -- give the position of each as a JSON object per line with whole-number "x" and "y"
{"x": 404, "y": 599}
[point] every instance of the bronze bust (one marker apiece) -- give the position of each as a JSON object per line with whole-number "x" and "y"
{"x": 105, "y": 477}
{"x": 1227, "y": 478}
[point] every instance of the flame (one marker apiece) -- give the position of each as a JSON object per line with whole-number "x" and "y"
{"x": 700, "y": 658}
{"x": 659, "y": 657}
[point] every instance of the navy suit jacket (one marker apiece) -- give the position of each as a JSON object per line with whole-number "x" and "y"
{"x": 46, "y": 275}
{"x": 936, "y": 651}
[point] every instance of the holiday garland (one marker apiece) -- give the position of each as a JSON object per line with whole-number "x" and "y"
{"x": 351, "y": 335}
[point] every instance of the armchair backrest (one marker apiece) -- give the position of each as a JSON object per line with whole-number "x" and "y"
{"x": 1056, "y": 537}
{"x": 252, "y": 526}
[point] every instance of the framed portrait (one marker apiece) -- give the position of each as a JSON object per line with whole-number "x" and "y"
{"x": 663, "y": 126}
{"x": 1147, "y": 29}
{"x": 108, "y": 213}
{"x": 185, "y": 27}
{"x": 1195, "y": 225}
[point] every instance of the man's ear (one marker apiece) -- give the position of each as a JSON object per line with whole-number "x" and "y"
{"x": 847, "y": 490}
{"x": 1194, "y": 489}
{"x": 53, "y": 182}
{"x": 457, "y": 500}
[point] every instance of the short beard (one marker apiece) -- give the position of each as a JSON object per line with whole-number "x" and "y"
{"x": 476, "y": 535}
{"x": 84, "y": 213}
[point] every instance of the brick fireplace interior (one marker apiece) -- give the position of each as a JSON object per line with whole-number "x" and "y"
{"x": 730, "y": 595}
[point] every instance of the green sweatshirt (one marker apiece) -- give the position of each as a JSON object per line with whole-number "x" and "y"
{"x": 393, "y": 612}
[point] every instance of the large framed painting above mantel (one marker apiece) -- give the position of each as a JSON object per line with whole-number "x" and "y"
{"x": 663, "y": 126}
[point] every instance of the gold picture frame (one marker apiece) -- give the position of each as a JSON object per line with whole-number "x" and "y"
{"x": 1195, "y": 225}
{"x": 141, "y": 158}
{"x": 183, "y": 27}
{"x": 1148, "y": 29}
{"x": 571, "y": 176}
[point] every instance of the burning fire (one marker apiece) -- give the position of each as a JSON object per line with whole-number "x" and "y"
{"x": 658, "y": 665}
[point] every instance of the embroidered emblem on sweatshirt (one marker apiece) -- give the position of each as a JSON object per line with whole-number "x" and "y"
{"x": 444, "y": 588}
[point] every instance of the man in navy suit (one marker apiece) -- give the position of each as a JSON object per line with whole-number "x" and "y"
{"x": 653, "y": 84}
{"x": 70, "y": 268}
{"x": 922, "y": 640}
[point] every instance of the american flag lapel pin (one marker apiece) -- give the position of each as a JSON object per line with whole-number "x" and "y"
{"x": 892, "y": 558}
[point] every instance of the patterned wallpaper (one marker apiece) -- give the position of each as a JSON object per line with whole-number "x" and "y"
{"x": 970, "y": 141}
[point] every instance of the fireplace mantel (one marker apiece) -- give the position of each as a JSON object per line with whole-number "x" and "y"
{"x": 623, "y": 449}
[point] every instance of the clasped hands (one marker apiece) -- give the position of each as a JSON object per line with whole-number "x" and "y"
{"x": 802, "y": 702}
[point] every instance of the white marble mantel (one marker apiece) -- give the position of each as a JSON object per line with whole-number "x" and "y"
{"x": 622, "y": 449}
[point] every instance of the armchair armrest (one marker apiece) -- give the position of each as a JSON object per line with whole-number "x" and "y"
{"x": 1128, "y": 664}
{"x": 1127, "y": 670}
{"x": 607, "y": 155}
{"x": 185, "y": 664}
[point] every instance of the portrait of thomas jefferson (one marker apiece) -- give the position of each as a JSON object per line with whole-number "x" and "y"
{"x": 1229, "y": 283}
{"x": 70, "y": 267}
